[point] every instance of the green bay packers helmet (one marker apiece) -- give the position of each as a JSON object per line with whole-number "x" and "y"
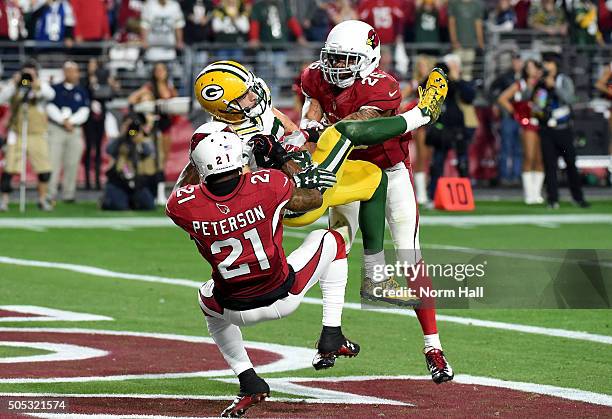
{"x": 221, "y": 85}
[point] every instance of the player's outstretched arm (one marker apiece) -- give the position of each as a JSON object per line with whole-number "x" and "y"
{"x": 372, "y": 131}
{"x": 378, "y": 130}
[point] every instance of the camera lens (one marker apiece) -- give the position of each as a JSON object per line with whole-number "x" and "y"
{"x": 26, "y": 79}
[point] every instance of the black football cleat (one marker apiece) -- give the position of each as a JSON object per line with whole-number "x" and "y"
{"x": 438, "y": 366}
{"x": 324, "y": 360}
{"x": 242, "y": 403}
{"x": 253, "y": 390}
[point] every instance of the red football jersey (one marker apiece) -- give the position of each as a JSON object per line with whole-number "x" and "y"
{"x": 239, "y": 234}
{"x": 386, "y": 16}
{"x": 379, "y": 90}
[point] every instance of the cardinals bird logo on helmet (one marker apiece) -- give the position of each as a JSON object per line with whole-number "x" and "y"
{"x": 373, "y": 40}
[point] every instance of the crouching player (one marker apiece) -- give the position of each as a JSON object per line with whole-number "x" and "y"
{"x": 235, "y": 220}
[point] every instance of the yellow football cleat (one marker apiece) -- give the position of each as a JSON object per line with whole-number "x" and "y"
{"x": 432, "y": 97}
{"x": 388, "y": 291}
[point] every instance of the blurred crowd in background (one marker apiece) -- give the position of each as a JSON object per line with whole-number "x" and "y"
{"x": 153, "y": 22}
{"x": 128, "y": 52}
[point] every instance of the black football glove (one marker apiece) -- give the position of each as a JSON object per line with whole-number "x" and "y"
{"x": 268, "y": 152}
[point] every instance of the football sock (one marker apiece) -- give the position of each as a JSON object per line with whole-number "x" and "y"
{"x": 251, "y": 383}
{"x": 229, "y": 341}
{"x": 373, "y": 265}
{"x": 432, "y": 341}
{"x": 331, "y": 339}
{"x": 333, "y": 285}
{"x": 427, "y": 319}
{"x": 414, "y": 119}
{"x": 372, "y": 217}
{"x": 420, "y": 182}
{"x": 527, "y": 187}
{"x": 538, "y": 180}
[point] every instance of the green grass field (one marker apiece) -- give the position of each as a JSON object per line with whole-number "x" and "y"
{"x": 391, "y": 344}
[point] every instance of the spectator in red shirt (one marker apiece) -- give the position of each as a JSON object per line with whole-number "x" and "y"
{"x": 386, "y": 16}
{"x": 409, "y": 7}
{"x": 129, "y": 20}
{"x": 443, "y": 21}
{"x": 521, "y": 8}
{"x": 12, "y": 26}
{"x": 341, "y": 10}
{"x": 605, "y": 20}
{"x": 91, "y": 20}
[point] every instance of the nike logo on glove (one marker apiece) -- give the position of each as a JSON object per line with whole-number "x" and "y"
{"x": 391, "y": 94}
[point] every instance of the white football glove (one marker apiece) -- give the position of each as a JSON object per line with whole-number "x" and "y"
{"x": 310, "y": 124}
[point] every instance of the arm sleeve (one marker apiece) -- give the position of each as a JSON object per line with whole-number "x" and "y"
{"x": 565, "y": 90}
{"x": 7, "y": 91}
{"x": 295, "y": 27}
{"x": 242, "y": 23}
{"x": 179, "y": 18}
{"x": 145, "y": 18}
{"x": 54, "y": 113}
{"x": 217, "y": 21}
{"x": 80, "y": 116}
{"x": 254, "y": 30}
{"x": 46, "y": 92}
{"x": 69, "y": 19}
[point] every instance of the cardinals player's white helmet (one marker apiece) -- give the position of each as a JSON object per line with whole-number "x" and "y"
{"x": 215, "y": 149}
{"x": 352, "y": 50}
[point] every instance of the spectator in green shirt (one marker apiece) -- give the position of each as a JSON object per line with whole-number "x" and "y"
{"x": 230, "y": 25}
{"x": 548, "y": 18}
{"x": 466, "y": 32}
{"x": 585, "y": 30}
{"x": 426, "y": 24}
{"x": 270, "y": 20}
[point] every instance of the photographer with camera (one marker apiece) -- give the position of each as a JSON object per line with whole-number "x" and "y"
{"x": 133, "y": 167}
{"x": 552, "y": 100}
{"x": 26, "y": 95}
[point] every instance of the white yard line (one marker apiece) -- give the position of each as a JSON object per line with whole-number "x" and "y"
{"x": 562, "y": 392}
{"x": 48, "y": 314}
{"x": 537, "y": 330}
{"x": 122, "y": 223}
{"x": 292, "y": 385}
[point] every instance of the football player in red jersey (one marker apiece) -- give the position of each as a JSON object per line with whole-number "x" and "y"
{"x": 235, "y": 221}
{"x": 346, "y": 83}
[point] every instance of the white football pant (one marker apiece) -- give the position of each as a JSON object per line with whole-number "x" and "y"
{"x": 401, "y": 212}
{"x": 322, "y": 257}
